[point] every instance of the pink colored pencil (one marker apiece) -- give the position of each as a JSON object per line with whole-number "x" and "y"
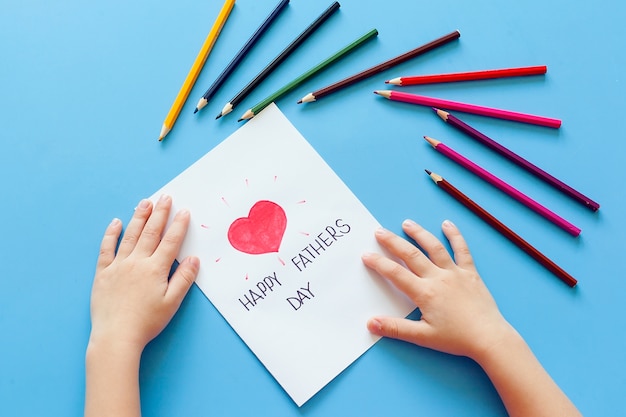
{"x": 503, "y": 186}
{"x": 469, "y": 108}
{"x": 469, "y": 75}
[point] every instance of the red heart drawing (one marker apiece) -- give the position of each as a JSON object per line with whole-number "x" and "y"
{"x": 261, "y": 232}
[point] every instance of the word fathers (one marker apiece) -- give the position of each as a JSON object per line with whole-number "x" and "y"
{"x": 319, "y": 245}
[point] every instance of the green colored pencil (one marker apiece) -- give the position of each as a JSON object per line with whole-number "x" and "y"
{"x": 319, "y": 67}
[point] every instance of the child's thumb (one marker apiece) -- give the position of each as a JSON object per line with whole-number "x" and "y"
{"x": 412, "y": 331}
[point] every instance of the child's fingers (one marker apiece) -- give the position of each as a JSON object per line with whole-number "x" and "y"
{"x": 400, "y": 277}
{"x": 437, "y": 253}
{"x": 109, "y": 243}
{"x": 182, "y": 280}
{"x": 173, "y": 239}
{"x": 153, "y": 230}
{"x": 412, "y": 256}
{"x": 134, "y": 228}
{"x": 413, "y": 331}
{"x": 461, "y": 251}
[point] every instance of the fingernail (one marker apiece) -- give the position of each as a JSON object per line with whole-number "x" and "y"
{"x": 409, "y": 223}
{"x": 183, "y": 212}
{"x": 194, "y": 261}
{"x": 448, "y": 224}
{"x": 375, "y": 326}
{"x": 164, "y": 198}
{"x": 381, "y": 231}
{"x": 143, "y": 204}
{"x": 114, "y": 222}
{"x": 366, "y": 255}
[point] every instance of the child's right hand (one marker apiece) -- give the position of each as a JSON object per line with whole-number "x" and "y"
{"x": 459, "y": 315}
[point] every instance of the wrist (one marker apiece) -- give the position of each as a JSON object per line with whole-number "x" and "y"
{"x": 107, "y": 350}
{"x": 507, "y": 341}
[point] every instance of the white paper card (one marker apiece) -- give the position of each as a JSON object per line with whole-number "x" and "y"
{"x": 280, "y": 238}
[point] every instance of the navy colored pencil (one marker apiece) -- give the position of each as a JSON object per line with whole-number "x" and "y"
{"x": 240, "y": 55}
{"x": 279, "y": 59}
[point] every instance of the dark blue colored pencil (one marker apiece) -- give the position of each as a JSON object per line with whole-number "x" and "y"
{"x": 240, "y": 55}
{"x": 279, "y": 59}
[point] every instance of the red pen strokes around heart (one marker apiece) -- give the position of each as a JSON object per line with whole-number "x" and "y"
{"x": 261, "y": 232}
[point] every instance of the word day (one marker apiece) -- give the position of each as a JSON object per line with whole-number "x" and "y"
{"x": 306, "y": 294}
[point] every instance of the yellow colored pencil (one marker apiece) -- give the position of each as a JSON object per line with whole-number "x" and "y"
{"x": 170, "y": 119}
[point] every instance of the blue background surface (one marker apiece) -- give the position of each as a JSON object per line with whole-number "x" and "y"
{"x": 85, "y": 86}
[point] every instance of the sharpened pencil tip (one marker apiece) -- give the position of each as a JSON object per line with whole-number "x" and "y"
{"x": 164, "y": 131}
{"x": 428, "y": 172}
{"x": 299, "y": 102}
{"x": 241, "y": 120}
{"x": 195, "y": 111}
{"x": 218, "y": 116}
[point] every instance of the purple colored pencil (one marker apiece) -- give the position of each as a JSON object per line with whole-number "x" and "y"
{"x": 503, "y": 186}
{"x": 518, "y": 160}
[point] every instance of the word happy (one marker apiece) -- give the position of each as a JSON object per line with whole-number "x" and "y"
{"x": 322, "y": 242}
{"x": 266, "y": 286}
{"x": 263, "y": 288}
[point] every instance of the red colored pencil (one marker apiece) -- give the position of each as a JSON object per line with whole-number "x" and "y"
{"x": 469, "y": 108}
{"x": 516, "y": 159}
{"x": 316, "y": 95}
{"x": 503, "y": 229}
{"x": 469, "y": 76}
{"x": 503, "y": 186}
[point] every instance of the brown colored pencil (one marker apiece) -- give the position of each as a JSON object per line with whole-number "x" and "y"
{"x": 380, "y": 67}
{"x": 502, "y": 229}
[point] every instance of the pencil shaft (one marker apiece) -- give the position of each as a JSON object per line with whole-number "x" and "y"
{"x": 387, "y": 64}
{"x": 244, "y": 50}
{"x": 319, "y": 67}
{"x": 518, "y": 160}
{"x": 284, "y": 54}
{"x": 473, "y": 75}
{"x": 201, "y": 58}
{"x": 507, "y": 189}
{"x": 471, "y": 108}
{"x": 504, "y": 230}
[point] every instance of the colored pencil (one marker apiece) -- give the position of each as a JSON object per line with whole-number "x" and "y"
{"x": 319, "y": 67}
{"x": 503, "y": 186}
{"x": 502, "y": 229}
{"x": 279, "y": 59}
{"x": 469, "y": 108}
{"x": 210, "y": 92}
{"x": 518, "y": 160}
{"x": 469, "y": 76}
{"x": 316, "y": 95}
{"x": 192, "y": 76}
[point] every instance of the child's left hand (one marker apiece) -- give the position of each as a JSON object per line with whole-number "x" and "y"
{"x": 132, "y": 299}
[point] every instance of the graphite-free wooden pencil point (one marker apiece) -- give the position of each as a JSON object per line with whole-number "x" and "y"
{"x": 239, "y": 56}
{"x": 192, "y": 76}
{"x": 502, "y": 229}
{"x": 228, "y": 107}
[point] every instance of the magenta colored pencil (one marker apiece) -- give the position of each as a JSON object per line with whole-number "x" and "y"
{"x": 503, "y": 186}
{"x": 469, "y": 108}
{"x": 518, "y": 160}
